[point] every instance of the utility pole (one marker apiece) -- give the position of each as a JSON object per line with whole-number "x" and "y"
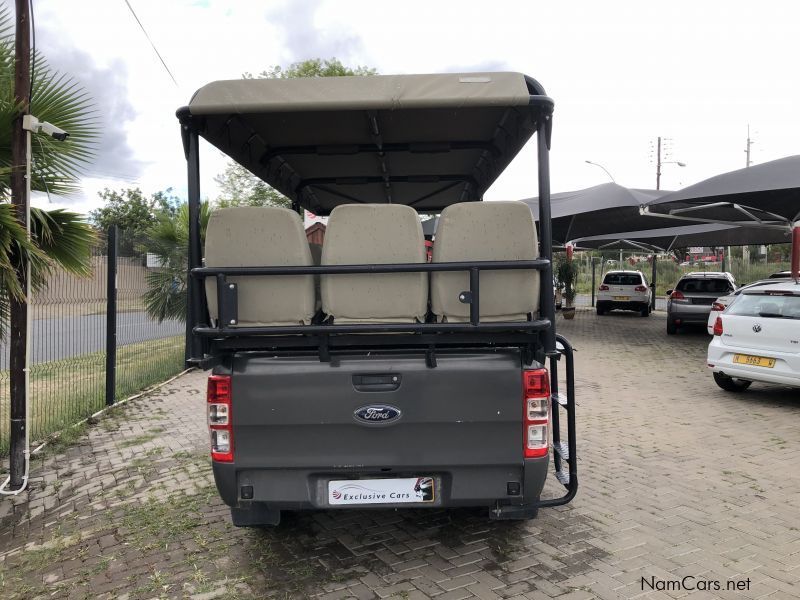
{"x": 747, "y": 150}
{"x": 658, "y": 164}
{"x": 19, "y": 199}
{"x": 746, "y": 249}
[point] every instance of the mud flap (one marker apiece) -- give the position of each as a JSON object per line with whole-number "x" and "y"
{"x": 255, "y": 514}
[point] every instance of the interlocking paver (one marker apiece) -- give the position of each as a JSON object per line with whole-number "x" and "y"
{"x": 677, "y": 478}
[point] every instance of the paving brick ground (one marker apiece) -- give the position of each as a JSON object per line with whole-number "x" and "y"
{"x": 678, "y": 478}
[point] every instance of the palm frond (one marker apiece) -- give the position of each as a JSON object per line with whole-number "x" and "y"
{"x": 65, "y": 238}
{"x": 56, "y": 98}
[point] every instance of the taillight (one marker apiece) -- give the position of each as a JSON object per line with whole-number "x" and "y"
{"x": 640, "y": 288}
{"x": 676, "y": 295}
{"x": 604, "y": 287}
{"x": 717, "y": 306}
{"x": 219, "y": 417}
{"x": 718, "y": 326}
{"x": 536, "y": 417}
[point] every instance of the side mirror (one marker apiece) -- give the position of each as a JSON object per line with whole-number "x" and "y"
{"x": 669, "y": 292}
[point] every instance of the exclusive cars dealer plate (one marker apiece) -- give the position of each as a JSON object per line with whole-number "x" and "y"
{"x": 381, "y": 491}
{"x": 622, "y": 297}
{"x": 756, "y": 361}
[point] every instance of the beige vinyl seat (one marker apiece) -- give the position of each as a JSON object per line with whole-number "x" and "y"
{"x": 374, "y": 234}
{"x": 250, "y": 236}
{"x": 481, "y": 231}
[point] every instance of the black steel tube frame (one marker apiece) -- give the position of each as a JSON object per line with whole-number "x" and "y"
{"x": 197, "y": 336}
{"x": 226, "y": 299}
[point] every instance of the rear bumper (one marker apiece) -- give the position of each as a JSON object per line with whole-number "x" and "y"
{"x": 688, "y": 313}
{"x": 785, "y": 372}
{"x": 632, "y": 304}
{"x": 300, "y": 489}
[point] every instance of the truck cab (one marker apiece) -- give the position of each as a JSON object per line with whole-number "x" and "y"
{"x": 371, "y": 374}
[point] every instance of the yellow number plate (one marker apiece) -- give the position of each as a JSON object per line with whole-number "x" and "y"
{"x": 756, "y": 361}
{"x": 622, "y": 297}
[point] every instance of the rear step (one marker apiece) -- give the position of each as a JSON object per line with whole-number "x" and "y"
{"x": 564, "y": 452}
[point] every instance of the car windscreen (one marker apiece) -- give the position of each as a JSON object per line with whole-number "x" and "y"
{"x": 704, "y": 286}
{"x": 622, "y": 279}
{"x": 768, "y": 306}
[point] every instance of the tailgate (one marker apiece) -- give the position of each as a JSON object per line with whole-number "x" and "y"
{"x": 298, "y": 412}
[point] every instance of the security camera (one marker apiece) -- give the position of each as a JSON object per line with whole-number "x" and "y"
{"x": 53, "y": 131}
{"x": 34, "y": 125}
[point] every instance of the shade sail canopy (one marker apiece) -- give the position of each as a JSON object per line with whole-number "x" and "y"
{"x": 423, "y": 140}
{"x": 765, "y": 195}
{"x": 602, "y": 209}
{"x": 685, "y": 236}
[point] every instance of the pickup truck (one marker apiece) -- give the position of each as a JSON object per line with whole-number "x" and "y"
{"x": 358, "y": 374}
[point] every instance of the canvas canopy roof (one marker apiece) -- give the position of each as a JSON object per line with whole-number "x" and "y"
{"x": 684, "y": 236}
{"x": 423, "y": 140}
{"x": 601, "y": 209}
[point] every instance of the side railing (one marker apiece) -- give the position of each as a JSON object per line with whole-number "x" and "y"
{"x": 227, "y": 325}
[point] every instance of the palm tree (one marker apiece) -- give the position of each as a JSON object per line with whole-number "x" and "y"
{"x": 59, "y": 238}
{"x": 168, "y": 239}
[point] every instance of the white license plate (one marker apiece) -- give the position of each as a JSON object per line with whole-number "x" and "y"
{"x": 381, "y": 491}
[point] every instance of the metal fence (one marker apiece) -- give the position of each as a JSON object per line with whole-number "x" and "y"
{"x": 69, "y": 343}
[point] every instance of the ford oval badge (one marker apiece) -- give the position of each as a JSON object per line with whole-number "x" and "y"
{"x": 377, "y": 414}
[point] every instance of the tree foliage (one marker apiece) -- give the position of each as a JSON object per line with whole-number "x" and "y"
{"x": 56, "y": 98}
{"x": 59, "y": 239}
{"x": 314, "y": 67}
{"x": 169, "y": 240}
{"x": 133, "y": 213}
{"x": 238, "y": 186}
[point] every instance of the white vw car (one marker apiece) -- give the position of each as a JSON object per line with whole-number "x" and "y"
{"x": 722, "y": 303}
{"x": 757, "y": 338}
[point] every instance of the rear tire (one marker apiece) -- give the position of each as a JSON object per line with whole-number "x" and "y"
{"x": 645, "y": 312}
{"x": 729, "y": 384}
{"x": 672, "y": 329}
{"x": 601, "y": 310}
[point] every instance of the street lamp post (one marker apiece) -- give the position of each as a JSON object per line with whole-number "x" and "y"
{"x": 659, "y": 162}
{"x": 602, "y": 167}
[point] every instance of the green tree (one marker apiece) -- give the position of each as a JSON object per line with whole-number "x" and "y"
{"x": 238, "y": 186}
{"x": 59, "y": 238}
{"x": 314, "y": 67}
{"x": 169, "y": 241}
{"x": 133, "y": 213}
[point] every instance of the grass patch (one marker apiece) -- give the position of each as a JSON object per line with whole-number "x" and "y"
{"x": 66, "y": 391}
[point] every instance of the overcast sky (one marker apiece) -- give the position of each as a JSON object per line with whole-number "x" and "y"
{"x": 621, "y": 74}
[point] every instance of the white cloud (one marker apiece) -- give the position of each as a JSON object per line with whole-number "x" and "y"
{"x": 621, "y": 73}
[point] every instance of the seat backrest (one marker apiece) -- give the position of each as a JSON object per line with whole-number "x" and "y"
{"x": 374, "y": 234}
{"x": 480, "y": 231}
{"x": 257, "y": 236}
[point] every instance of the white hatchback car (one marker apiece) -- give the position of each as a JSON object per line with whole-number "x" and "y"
{"x": 757, "y": 338}
{"x": 722, "y": 302}
{"x": 626, "y": 290}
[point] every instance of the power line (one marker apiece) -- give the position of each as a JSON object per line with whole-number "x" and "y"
{"x": 151, "y": 43}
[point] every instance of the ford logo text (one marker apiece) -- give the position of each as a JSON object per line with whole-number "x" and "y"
{"x": 377, "y": 414}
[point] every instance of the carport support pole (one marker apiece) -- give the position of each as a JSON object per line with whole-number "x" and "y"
{"x": 111, "y": 316}
{"x": 653, "y": 282}
{"x": 594, "y": 269}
